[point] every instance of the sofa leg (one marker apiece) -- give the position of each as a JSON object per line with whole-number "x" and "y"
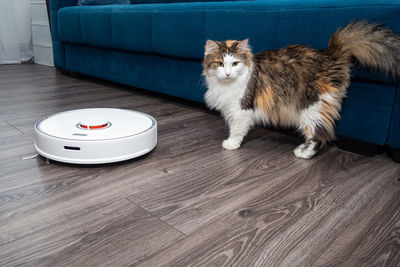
{"x": 70, "y": 73}
{"x": 395, "y": 154}
{"x": 357, "y": 146}
{"x": 62, "y": 71}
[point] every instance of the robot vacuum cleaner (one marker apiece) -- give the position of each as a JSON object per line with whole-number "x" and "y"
{"x": 95, "y": 136}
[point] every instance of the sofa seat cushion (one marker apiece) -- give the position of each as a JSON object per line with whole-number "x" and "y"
{"x": 181, "y": 29}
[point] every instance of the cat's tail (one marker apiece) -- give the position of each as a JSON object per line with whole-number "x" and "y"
{"x": 372, "y": 45}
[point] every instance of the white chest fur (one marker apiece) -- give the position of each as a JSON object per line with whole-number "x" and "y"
{"x": 225, "y": 96}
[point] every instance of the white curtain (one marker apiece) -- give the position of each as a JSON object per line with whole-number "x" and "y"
{"x": 15, "y": 31}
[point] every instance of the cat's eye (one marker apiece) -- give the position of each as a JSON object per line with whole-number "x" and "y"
{"x": 235, "y": 63}
{"x": 220, "y": 64}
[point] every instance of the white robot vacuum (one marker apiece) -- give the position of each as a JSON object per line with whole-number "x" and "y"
{"x": 95, "y": 136}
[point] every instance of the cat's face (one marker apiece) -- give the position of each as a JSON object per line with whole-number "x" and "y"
{"x": 227, "y": 60}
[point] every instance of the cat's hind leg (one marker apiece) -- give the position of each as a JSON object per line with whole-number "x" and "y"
{"x": 308, "y": 149}
{"x": 317, "y": 124}
{"x": 317, "y": 134}
{"x": 309, "y": 123}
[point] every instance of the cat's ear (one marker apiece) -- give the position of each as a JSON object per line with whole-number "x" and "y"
{"x": 211, "y": 47}
{"x": 244, "y": 45}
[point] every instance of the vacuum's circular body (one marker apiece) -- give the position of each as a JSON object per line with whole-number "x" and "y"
{"x": 96, "y": 135}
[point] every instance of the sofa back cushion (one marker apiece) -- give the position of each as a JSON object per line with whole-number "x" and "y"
{"x": 181, "y": 29}
{"x": 177, "y": 1}
{"x": 103, "y": 2}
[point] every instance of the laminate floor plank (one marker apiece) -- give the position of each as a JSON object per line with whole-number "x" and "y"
{"x": 45, "y": 97}
{"x": 167, "y": 158}
{"x": 89, "y": 233}
{"x": 164, "y": 115}
{"x": 225, "y": 181}
{"x": 8, "y": 130}
{"x": 288, "y": 225}
{"x": 189, "y": 202}
{"x": 369, "y": 240}
{"x": 17, "y": 146}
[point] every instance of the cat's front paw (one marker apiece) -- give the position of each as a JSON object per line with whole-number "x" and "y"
{"x": 305, "y": 151}
{"x": 231, "y": 144}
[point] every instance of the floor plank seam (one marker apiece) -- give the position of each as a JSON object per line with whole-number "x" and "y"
{"x": 157, "y": 217}
{"x": 9, "y": 124}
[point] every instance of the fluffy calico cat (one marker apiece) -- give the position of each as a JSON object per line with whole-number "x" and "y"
{"x": 295, "y": 86}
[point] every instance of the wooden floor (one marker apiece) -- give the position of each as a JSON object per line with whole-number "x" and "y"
{"x": 189, "y": 202}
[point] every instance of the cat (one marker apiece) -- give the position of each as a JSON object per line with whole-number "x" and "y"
{"x": 295, "y": 86}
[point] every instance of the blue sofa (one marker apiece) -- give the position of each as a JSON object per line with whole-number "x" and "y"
{"x": 158, "y": 45}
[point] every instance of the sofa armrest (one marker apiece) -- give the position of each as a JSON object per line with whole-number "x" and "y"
{"x": 57, "y": 4}
{"x": 58, "y": 47}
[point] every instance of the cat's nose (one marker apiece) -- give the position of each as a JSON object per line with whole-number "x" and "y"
{"x": 228, "y": 74}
